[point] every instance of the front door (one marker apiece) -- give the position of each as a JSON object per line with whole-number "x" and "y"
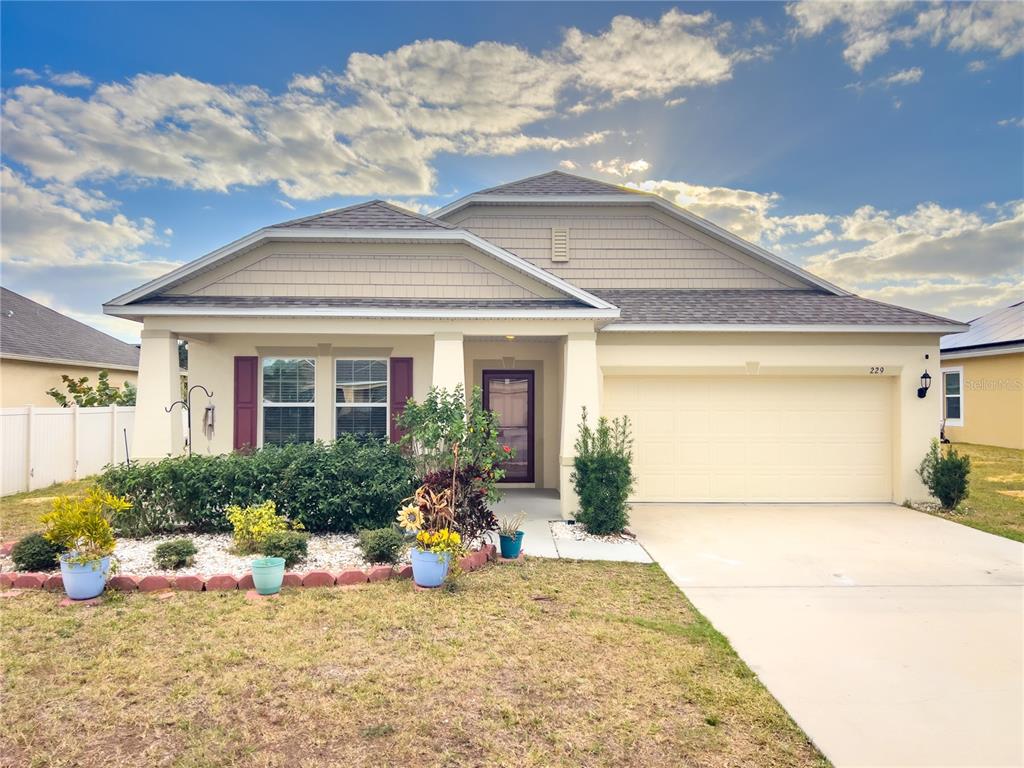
{"x": 510, "y": 395}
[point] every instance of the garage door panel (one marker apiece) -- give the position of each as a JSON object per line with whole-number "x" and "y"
{"x": 757, "y": 438}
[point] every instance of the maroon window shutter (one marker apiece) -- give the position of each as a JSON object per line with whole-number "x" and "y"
{"x": 246, "y": 405}
{"x": 401, "y": 391}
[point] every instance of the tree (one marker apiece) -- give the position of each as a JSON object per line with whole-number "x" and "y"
{"x": 81, "y": 393}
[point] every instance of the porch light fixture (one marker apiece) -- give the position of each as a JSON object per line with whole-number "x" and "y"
{"x": 926, "y": 381}
{"x": 511, "y": 338}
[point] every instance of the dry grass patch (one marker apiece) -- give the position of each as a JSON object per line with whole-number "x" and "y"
{"x": 20, "y": 512}
{"x": 549, "y": 664}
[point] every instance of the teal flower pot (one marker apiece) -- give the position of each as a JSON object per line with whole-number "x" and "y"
{"x": 511, "y": 547}
{"x": 83, "y": 581}
{"x": 429, "y": 569}
{"x": 268, "y": 574}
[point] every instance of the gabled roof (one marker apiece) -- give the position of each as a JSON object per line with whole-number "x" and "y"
{"x": 30, "y": 331}
{"x": 558, "y": 183}
{"x": 741, "y": 309}
{"x": 568, "y": 189}
{"x": 375, "y": 214}
{"x": 999, "y": 327}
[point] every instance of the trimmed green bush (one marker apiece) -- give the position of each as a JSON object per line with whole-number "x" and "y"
{"x": 602, "y": 475}
{"x": 336, "y": 487}
{"x": 35, "y": 553}
{"x": 171, "y": 555}
{"x": 381, "y": 545}
{"x": 293, "y": 546}
{"x": 945, "y": 474}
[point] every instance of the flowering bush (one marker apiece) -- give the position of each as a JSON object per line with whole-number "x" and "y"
{"x": 431, "y": 515}
{"x": 81, "y": 526}
{"x": 254, "y": 524}
{"x": 440, "y": 542}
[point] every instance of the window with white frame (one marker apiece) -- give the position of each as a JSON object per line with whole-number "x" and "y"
{"x": 361, "y": 397}
{"x": 289, "y": 393}
{"x": 953, "y": 396}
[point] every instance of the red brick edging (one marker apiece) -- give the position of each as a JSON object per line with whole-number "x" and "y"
{"x": 227, "y": 582}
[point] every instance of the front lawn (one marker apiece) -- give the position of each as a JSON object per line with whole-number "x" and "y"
{"x": 550, "y": 663}
{"x": 996, "y": 500}
{"x": 20, "y": 512}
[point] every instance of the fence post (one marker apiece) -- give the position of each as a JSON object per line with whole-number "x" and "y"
{"x": 113, "y": 434}
{"x": 74, "y": 442}
{"x": 29, "y": 470}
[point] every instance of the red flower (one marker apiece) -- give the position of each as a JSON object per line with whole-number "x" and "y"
{"x": 506, "y": 448}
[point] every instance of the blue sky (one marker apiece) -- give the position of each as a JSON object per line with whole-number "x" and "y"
{"x": 879, "y": 145}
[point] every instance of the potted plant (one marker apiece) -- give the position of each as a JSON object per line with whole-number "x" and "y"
{"x": 268, "y": 574}
{"x": 80, "y": 526}
{"x": 510, "y": 536}
{"x": 430, "y": 515}
{"x": 259, "y": 529}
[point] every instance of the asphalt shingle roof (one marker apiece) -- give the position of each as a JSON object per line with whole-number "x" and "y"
{"x": 1000, "y": 326}
{"x": 557, "y": 183}
{"x": 268, "y": 302}
{"x": 753, "y": 307}
{"x": 375, "y": 214}
{"x": 31, "y": 330}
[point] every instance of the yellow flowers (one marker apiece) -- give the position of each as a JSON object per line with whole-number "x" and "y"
{"x": 443, "y": 539}
{"x": 82, "y": 525}
{"x": 410, "y": 518}
{"x": 255, "y": 523}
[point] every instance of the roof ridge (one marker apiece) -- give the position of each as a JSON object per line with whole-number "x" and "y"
{"x": 414, "y": 214}
{"x": 557, "y": 172}
{"x": 376, "y": 202}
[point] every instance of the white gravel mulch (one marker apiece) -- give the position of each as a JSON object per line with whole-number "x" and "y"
{"x": 328, "y": 552}
{"x": 564, "y": 530}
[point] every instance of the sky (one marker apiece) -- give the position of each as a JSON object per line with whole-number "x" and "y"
{"x": 879, "y": 145}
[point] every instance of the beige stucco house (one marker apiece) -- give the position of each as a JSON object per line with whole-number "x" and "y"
{"x": 38, "y": 345}
{"x": 746, "y": 378}
{"x": 983, "y": 380}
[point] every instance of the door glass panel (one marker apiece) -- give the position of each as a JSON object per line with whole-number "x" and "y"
{"x": 510, "y": 398}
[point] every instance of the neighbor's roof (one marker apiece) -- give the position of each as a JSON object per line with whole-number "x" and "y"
{"x": 558, "y": 183}
{"x": 999, "y": 327}
{"x": 375, "y": 214}
{"x": 784, "y": 308}
{"x": 31, "y": 331}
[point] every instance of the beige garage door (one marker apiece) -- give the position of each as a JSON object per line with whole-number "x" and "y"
{"x": 757, "y": 438}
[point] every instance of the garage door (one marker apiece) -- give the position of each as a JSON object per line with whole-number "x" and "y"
{"x": 757, "y": 438}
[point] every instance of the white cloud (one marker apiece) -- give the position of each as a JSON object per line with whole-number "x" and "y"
{"x": 904, "y": 77}
{"x": 675, "y": 102}
{"x": 28, "y": 74}
{"x": 285, "y": 204}
{"x": 619, "y": 167}
{"x": 311, "y": 83}
{"x": 568, "y": 165}
{"x": 869, "y": 29}
{"x": 415, "y": 206}
{"x": 1017, "y": 122}
{"x": 977, "y": 65}
{"x": 635, "y": 58}
{"x": 70, "y": 79}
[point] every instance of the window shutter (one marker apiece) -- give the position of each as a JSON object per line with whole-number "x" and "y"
{"x": 246, "y": 401}
{"x": 559, "y": 244}
{"x": 401, "y": 391}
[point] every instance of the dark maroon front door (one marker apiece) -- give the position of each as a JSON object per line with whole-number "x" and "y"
{"x": 510, "y": 395}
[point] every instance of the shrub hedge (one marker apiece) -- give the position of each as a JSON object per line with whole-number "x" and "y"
{"x": 337, "y": 487}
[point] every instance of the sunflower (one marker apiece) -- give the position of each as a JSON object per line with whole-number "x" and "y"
{"x": 410, "y": 518}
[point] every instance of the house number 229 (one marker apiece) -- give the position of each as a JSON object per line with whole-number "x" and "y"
{"x": 876, "y": 369}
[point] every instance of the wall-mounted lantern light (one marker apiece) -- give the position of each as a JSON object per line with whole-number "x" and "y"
{"x": 926, "y": 382}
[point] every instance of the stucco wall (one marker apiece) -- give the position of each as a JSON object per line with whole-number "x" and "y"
{"x": 915, "y": 421}
{"x": 24, "y": 382}
{"x": 993, "y": 405}
{"x": 621, "y": 247}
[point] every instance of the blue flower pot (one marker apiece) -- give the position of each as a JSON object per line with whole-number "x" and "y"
{"x": 511, "y": 547}
{"x": 84, "y": 581}
{"x": 429, "y": 569}
{"x": 268, "y": 574}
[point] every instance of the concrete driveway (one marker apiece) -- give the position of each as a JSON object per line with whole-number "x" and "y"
{"x": 892, "y": 637}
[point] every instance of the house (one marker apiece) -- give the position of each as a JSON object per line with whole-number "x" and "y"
{"x": 983, "y": 380}
{"x": 38, "y": 345}
{"x": 745, "y": 377}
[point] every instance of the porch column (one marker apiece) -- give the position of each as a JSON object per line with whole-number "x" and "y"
{"x": 323, "y": 429}
{"x": 449, "y": 361}
{"x": 157, "y": 433}
{"x": 580, "y": 387}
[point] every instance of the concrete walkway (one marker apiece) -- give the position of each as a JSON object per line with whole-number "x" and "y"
{"x": 892, "y": 637}
{"x": 542, "y": 508}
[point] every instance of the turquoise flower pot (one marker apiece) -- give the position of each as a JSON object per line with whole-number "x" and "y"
{"x": 83, "y": 581}
{"x": 429, "y": 569}
{"x": 268, "y": 574}
{"x": 511, "y": 547}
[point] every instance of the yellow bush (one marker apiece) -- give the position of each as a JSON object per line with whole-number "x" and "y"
{"x": 254, "y": 524}
{"x": 81, "y": 525}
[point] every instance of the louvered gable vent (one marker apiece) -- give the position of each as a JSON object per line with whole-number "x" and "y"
{"x": 559, "y": 244}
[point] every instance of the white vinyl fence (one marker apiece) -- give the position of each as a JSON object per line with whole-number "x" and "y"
{"x": 42, "y": 446}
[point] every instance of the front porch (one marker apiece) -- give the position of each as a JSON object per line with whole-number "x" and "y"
{"x": 554, "y": 361}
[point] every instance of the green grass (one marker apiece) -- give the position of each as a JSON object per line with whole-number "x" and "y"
{"x": 20, "y": 512}
{"x": 996, "y": 500}
{"x": 553, "y": 663}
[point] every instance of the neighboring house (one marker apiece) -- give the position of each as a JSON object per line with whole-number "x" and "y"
{"x": 38, "y": 345}
{"x": 983, "y": 380}
{"x": 746, "y": 378}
